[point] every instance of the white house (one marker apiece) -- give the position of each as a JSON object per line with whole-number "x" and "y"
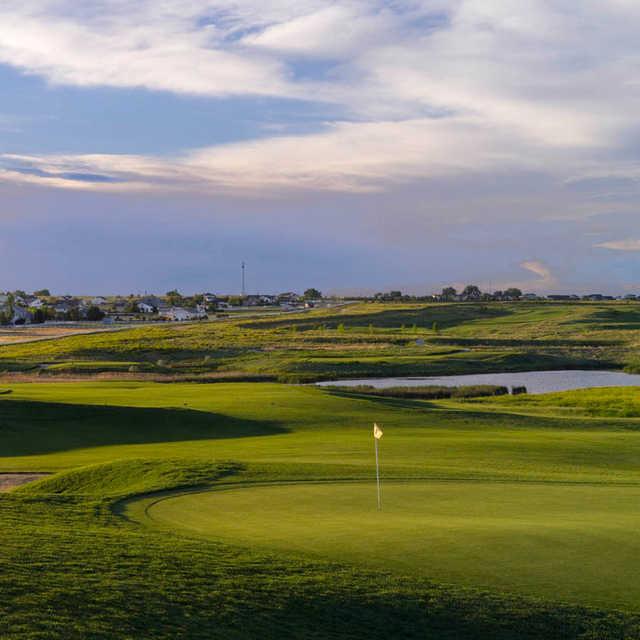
{"x": 146, "y": 308}
{"x": 179, "y": 314}
{"x": 98, "y": 301}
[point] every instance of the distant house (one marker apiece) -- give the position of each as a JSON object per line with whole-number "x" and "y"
{"x": 180, "y": 314}
{"x": 37, "y": 303}
{"x": 151, "y": 301}
{"x": 143, "y": 307}
{"x": 288, "y": 299}
{"x": 20, "y": 315}
{"x": 530, "y": 296}
{"x": 98, "y": 301}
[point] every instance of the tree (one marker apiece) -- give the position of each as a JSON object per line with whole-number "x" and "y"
{"x": 38, "y": 316}
{"x": 95, "y": 314}
{"x": 449, "y": 293}
{"x": 472, "y": 292}
{"x": 132, "y": 307}
{"x": 73, "y": 314}
{"x": 11, "y": 306}
{"x": 42, "y": 292}
{"x": 513, "y": 293}
{"x": 174, "y": 297}
{"x": 312, "y": 294}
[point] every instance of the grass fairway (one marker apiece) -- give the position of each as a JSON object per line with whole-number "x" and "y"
{"x": 503, "y": 520}
{"x": 567, "y": 543}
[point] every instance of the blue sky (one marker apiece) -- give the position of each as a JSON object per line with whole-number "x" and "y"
{"x": 352, "y": 146}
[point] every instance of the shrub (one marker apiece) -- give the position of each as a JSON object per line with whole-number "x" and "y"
{"x": 428, "y": 392}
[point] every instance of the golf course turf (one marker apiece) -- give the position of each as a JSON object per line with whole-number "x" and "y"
{"x": 573, "y": 543}
{"x": 247, "y": 509}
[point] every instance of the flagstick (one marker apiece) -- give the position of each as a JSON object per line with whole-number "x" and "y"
{"x": 378, "y": 475}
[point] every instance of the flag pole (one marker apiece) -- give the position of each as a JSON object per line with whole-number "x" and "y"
{"x": 378, "y": 475}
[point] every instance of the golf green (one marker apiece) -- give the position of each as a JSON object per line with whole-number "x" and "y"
{"x": 573, "y": 543}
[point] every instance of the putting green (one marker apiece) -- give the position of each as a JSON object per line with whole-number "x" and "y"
{"x": 574, "y": 543}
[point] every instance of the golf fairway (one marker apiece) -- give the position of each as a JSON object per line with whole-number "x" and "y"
{"x": 573, "y": 543}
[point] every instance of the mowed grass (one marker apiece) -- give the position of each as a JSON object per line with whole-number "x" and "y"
{"x": 538, "y": 493}
{"x": 560, "y": 542}
{"x": 604, "y": 402}
{"x": 55, "y": 426}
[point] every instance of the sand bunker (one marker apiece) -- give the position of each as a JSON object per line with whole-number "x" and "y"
{"x": 10, "y": 481}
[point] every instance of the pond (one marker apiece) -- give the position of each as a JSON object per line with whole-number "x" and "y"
{"x": 534, "y": 381}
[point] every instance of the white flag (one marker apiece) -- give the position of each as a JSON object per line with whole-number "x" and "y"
{"x": 377, "y": 431}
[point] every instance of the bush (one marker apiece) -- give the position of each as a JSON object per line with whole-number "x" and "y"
{"x": 429, "y": 392}
{"x": 94, "y": 314}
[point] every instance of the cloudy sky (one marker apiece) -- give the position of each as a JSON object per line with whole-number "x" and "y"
{"x": 350, "y": 145}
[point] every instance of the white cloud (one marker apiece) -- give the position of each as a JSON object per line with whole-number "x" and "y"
{"x": 621, "y": 245}
{"x": 519, "y": 84}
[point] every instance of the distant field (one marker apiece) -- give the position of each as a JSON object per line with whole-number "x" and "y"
{"x": 32, "y": 333}
{"x": 363, "y": 340}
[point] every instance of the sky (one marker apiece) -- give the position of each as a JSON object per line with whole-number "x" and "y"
{"x": 353, "y": 146}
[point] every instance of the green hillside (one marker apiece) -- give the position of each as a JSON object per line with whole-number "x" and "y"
{"x": 353, "y": 341}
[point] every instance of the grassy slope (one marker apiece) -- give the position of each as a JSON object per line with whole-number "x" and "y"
{"x": 74, "y": 569}
{"x": 58, "y": 425}
{"x": 99, "y": 576}
{"x": 358, "y": 340}
{"x": 606, "y": 402}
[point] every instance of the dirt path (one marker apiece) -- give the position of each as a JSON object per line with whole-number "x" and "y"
{"x": 10, "y": 481}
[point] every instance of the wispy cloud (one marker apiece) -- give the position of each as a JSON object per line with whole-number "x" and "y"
{"x": 545, "y": 280}
{"x": 621, "y": 245}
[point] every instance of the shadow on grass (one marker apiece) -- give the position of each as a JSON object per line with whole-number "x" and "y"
{"x": 515, "y": 342}
{"x": 466, "y": 415}
{"x": 445, "y": 316}
{"x": 612, "y": 320}
{"x": 33, "y": 428}
{"x": 457, "y": 364}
